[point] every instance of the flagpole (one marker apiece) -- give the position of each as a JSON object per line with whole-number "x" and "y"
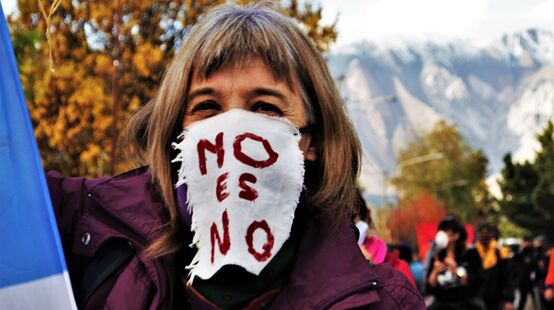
{"x": 115, "y": 86}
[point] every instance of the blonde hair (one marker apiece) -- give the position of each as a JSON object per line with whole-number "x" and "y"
{"x": 230, "y": 34}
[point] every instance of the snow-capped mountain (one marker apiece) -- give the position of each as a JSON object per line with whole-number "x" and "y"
{"x": 499, "y": 96}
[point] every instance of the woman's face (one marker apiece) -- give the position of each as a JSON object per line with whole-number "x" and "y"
{"x": 452, "y": 236}
{"x": 250, "y": 87}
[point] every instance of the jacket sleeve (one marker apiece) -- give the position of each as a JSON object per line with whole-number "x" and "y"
{"x": 474, "y": 267}
{"x": 427, "y": 269}
{"x": 508, "y": 279}
{"x": 67, "y": 196}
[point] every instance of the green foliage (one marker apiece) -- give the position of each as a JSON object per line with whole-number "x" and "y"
{"x": 457, "y": 180}
{"x": 509, "y": 229}
{"x": 26, "y": 44}
{"x": 528, "y": 188}
{"x": 99, "y": 46}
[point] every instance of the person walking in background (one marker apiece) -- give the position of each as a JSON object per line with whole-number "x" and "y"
{"x": 455, "y": 272}
{"x": 375, "y": 249}
{"x": 393, "y": 258}
{"x": 532, "y": 267}
{"x": 548, "y": 293}
{"x": 525, "y": 263}
{"x": 538, "y": 274}
{"x": 499, "y": 281}
{"x": 361, "y": 218}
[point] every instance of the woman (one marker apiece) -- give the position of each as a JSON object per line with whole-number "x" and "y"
{"x": 247, "y": 116}
{"x": 455, "y": 272}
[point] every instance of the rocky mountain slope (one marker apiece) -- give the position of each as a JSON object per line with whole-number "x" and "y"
{"x": 499, "y": 96}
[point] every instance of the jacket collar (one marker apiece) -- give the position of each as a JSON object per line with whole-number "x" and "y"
{"x": 130, "y": 199}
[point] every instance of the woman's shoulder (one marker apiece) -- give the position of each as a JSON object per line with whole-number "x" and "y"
{"x": 331, "y": 272}
{"x": 60, "y": 184}
{"x": 396, "y": 289}
{"x": 129, "y": 197}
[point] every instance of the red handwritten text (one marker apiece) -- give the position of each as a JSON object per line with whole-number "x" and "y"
{"x": 237, "y": 149}
{"x": 216, "y": 148}
{"x": 224, "y": 245}
{"x": 267, "y": 247}
{"x": 221, "y": 187}
{"x": 247, "y": 192}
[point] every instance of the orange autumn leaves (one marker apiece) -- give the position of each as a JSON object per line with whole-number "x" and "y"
{"x": 404, "y": 219}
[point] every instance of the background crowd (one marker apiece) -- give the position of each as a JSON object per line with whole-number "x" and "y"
{"x": 485, "y": 272}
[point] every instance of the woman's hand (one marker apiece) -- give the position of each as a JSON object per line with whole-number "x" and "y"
{"x": 549, "y": 294}
{"x": 451, "y": 264}
{"x": 438, "y": 267}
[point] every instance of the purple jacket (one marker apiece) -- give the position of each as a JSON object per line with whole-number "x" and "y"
{"x": 329, "y": 273}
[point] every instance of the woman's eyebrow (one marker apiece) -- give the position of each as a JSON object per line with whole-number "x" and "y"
{"x": 262, "y": 91}
{"x": 201, "y": 91}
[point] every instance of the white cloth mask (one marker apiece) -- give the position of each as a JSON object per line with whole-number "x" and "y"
{"x": 362, "y": 229}
{"x": 441, "y": 239}
{"x": 244, "y": 172}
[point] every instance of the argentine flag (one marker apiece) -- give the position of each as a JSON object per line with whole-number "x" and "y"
{"x": 33, "y": 274}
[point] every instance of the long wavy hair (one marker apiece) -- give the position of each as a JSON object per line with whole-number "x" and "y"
{"x": 229, "y": 34}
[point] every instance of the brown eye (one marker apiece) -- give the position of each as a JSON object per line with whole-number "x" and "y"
{"x": 205, "y": 106}
{"x": 266, "y": 108}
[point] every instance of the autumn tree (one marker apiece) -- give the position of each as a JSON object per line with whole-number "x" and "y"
{"x": 528, "y": 188}
{"x": 104, "y": 52}
{"x": 456, "y": 178}
{"x": 404, "y": 219}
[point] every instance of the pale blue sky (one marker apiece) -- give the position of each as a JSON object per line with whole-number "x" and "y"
{"x": 394, "y": 20}
{"x": 480, "y": 20}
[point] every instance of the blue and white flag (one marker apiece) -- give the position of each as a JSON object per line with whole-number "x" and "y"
{"x": 33, "y": 274}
